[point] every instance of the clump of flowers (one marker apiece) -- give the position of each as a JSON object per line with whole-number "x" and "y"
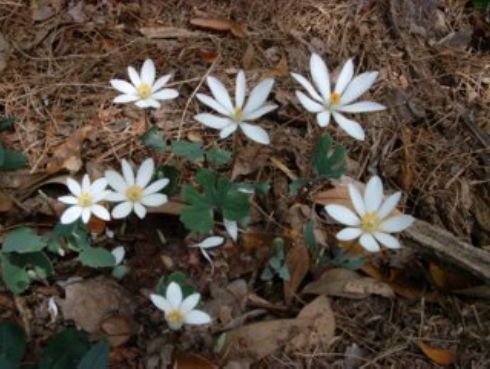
{"x": 326, "y": 103}
{"x": 239, "y": 114}
{"x": 179, "y": 311}
{"x": 143, "y": 90}
{"x": 372, "y": 222}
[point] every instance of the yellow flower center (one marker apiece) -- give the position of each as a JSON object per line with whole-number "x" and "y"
{"x": 175, "y": 316}
{"x": 370, "y": 222}
{"x": 85, "y": 200}
{"x": 237, "y": 114}
{"x": 144, "y": 90}
{"x": 335, "y": 98}
{"x": 134, "y": 193}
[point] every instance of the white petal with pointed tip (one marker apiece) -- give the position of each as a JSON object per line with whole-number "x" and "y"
{"x": 373, "y": 195}
{"x": 100, "y": 212}
{"x": 161, "y": 303}
{"x": 352, "y": 128}
{"x": 127, "y": 173}
{"x": 122, "y": 99}
{"x": 356, "y": 199}
{"x": 156, "y": 186}
{"x": 228, "y": 130}
{"x": 320, "y": 75}
{"x": 69, "y": 200}
{"x": 86, "y": 214}
{"x": 255, "y": 133}
{"x": 212, "y": 241}
{"x": 345, "y": 77}
{"x": 189, "y": 303}
{"x": 343, "y": 215}
{"x": 160, "y": 82}
{"x": 231, "y": 227}
{"x": 145, "y": 172}
{"x": 165, "y": 94}
{"x": 358, "y": 86}
{"x": 86, "y": 183}
{"x": 220, "y": 93}
{"x": 240, "y": 89}
{"x": 123, "y": 86}
{"x": 369, "y": 243}
{"x": 307, "y": 86}
{"x": 122, "y": 210}
{"x": 263, "y": 110}
{"x": 98, "y": 186}
{"x": 116, "y": 181}
{"x": 148, "y": 72}
{"x": 213, "y": 104}
{"x": 154, "y": 199}
{"x": 309, "y": 104}
{"x": 323, "y": 118}
{"x": 389, "y": 205}
{"x": 71, "y": 214}
{"x": 139, "y": 209}
{"x": 348, "y": 234}
{"x": 134, "y": 77}
{"x": 396, "y": 224}
{"x": 118, "y": 254}
{"x": 174, "y": 295}
{"x": 361, "y": 107}
{"x": 212, "y": 121}
{"x": 73, "y": 186}
{"x": 197, "y": 317}
{"x": 387, "y": 240}
{"x": 258, "y": 96}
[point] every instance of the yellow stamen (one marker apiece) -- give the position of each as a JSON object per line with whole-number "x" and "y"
{"x": 370, "y": 222}
{"x": 85, "y": 200}
{"x": 237, "y": 114}
{"x": 175, "y": 316}
{"x": 335, "y": 98}
{"x": 144, "y": 90}
{"x": 134, "y": 193}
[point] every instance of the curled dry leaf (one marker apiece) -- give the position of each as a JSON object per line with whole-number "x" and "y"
{"x": 347, "y": 283}
{"x": 313, "y": 327}
{"x": 221, "y": 24}
{"x": 68, "y": 154}
{"x": 439, "y": 356}
{"x": 168, "y": 32}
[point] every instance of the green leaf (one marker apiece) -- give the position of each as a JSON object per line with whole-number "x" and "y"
{"x": 65, "y": 350}
{"x": 15, "y": 276}
{"x": 12, "y": 344}
{"x": 236, "y": 205}
{"x": 217, "y": 156}
{"x": 327, "y": 161}
{"x": 10, "y": 159}
{"x": 96, "y": 358}
{"x": 309, "y": 235}
{"x": 7, "y": 123}
{"x": 481, "y": 4}
{"x": 75, "y": 235}
{"x": 15, "y": 269}
{"x": 23, "y": 240}
{"x": 197, "y": 218}
{"x": 192, "y": 151}
{"x": 207, "y": 179}
{"x": 267, "y": 274}
{"x": 154, "y": 140}
{"x": 97, "y": 257}
{"x": 173, "y": 174}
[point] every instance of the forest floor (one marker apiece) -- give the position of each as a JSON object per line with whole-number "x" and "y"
{"x": 414, "y": 309}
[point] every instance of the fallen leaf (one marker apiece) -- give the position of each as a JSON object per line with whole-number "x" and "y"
{"x": 347, "y": 283}
{"x": 220, "y": 24}
{"x": 447, "y": 280}
{"x": 168, "y": 32}
{"x": 314, "y": 326}
{"x": 207, "y": 55}
{"x": 183, "y": 360}
{"x": 68, "y": 154}
{"x": 6, "y": 202}
{"x": 96, "y": 226}
{"x": 117, "y": 330}
{"x": 439, "y": 356}
{"x": 91, "y": 302}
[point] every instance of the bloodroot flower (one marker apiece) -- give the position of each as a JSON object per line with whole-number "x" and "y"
{"x": 84, "y": 200}
{"x": 135, "y": 193}
{"x": 179, "y": 311}
{"x": 237, "y": 115}
{"x": 326, "y": 103}
{"x": 372, "y": 223}
{"x": 143, "y": 90}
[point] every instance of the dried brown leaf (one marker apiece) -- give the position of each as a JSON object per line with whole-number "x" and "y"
{"x": 6, "y": 202}
{"x": 187, "y": 360}
{"x": 220, "y": 24}
{"x": 168, "y": 32}
{"x": 439, "y": 356}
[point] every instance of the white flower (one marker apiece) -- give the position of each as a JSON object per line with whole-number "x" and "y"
{"x": 231, "y": 227}
{"x": 180, "y": 311}
{"x": 324, "y": 102}
{"x": 143, "y": 90}
{"x": 85, "y": 200}
{"x": 238, "y": 114}
{"x": 135, "y": 193}
{"x": 372, "y": 223}
{"x": 209, "y": 243}
{"x": 118, "y": 253}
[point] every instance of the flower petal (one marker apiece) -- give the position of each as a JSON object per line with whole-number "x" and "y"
{"x": 154, "y": 199}
{"x": 116, "y": 196}
{"x": 98, "y": 186}
{"x": 116, "y": 181}
{"x": 345, "y": 76}
{"x": 231, "y": 227}
{"x": 373, "y": 195}
{"x": 197, "y": 317}
{"x": 369, "y": 243}
{"x": 258, "y": 96}
{"x": 212, "y": 121}
{"x": 309, "y": 104}
{"x": 320, "y": 75}
{"x": 100, "y": 212}
{"x": 396, "y": 224}
{"x": 356, "y": 199}
{"x": 127, "y": 172}
{"x": 71, "y": 214}
{"x": 165, "y": 94}
{"x": 122, "y": 210}
{"x": 255, "y": 133}
{"x": 220, "y": 93}
{"x": 263, "y": 110}
{"x": 123, "y": 99}
{"x": 161, "y": 303}
{"x": 123, "y": 86}
{"x": 358, "y": 86}
{"x": 189, "y": 303}
{"x": 213, "y": 104}
{"x": 118, "y": 254}
{"x": 145, "y": 172}
{"x": 161, "y": 82}
{"x": 307, "y": 86}
{"x": 134, "y": 77}
{"x": 86, "y": 214}
{"x": 69, "y": 200}
{"x": 389, "y": 205}
{"x": 156, "y": 186}
{"x": 73, "y": 186}
{"x": 148, "y": 103}
{"x": 212, "y": 241}
{"x": 352, "y": 128}
{"x": 174, "y": 295}
{"x": 348, "y": 234}
{"x": 323, "y": 118}
{"x": 240, "y": 89}
{"x": 139, "y": 209}
{"x": 228, "y": 130}
{"x": 100, "y": 196}
{"x": 85, "y": 183}
{"x": 343, "y": 215}
{"x": 361, "y": 107}
{"x": 148, "y": 72}
{"x": 387, "y": 240}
